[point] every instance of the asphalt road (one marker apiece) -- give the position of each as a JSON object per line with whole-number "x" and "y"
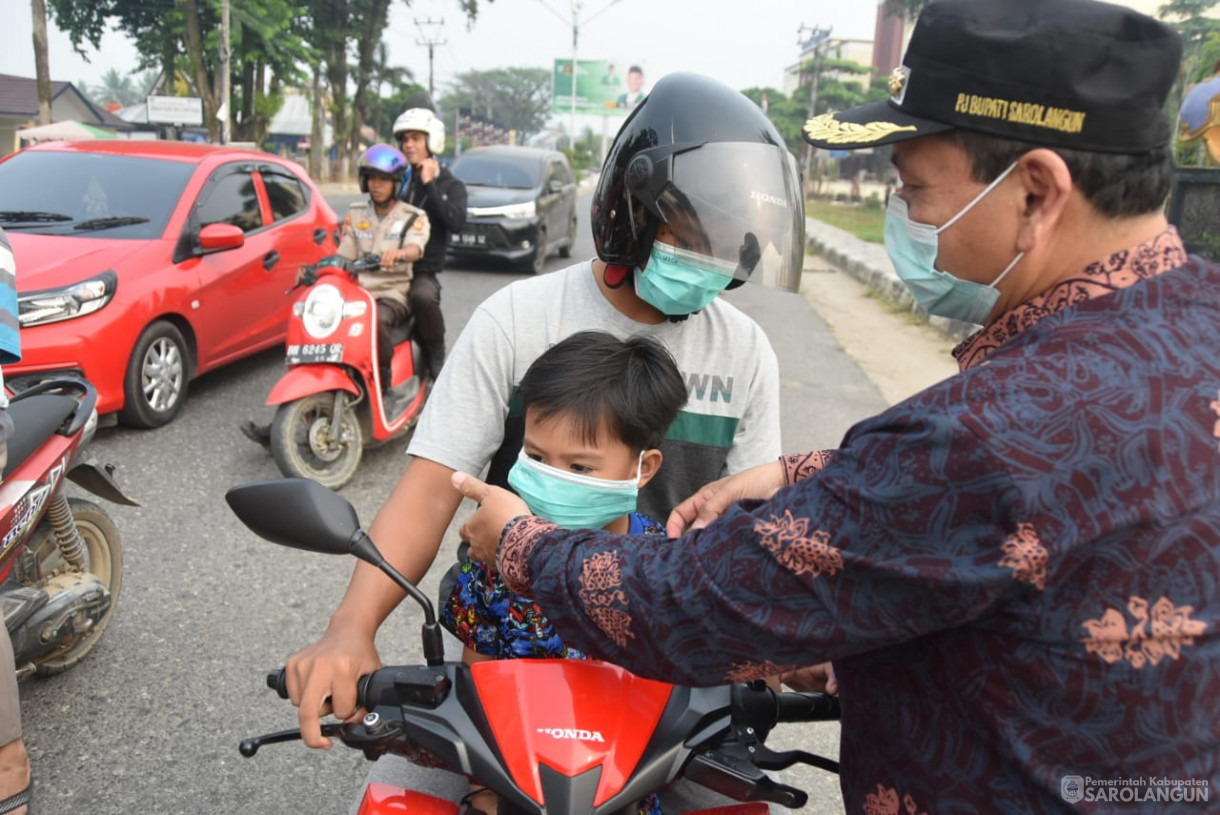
{"x": 151, "y": 721}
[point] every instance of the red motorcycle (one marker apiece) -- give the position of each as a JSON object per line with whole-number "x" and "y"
{"x": 332, "y": 401}
{"x": 547, "y": 736}
{"x": 61, "y": 561}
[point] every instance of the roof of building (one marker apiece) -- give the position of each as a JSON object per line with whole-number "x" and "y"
{"x": 19, "y": 97}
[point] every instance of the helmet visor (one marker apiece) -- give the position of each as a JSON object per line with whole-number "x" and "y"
{"x": 739, "y": 203}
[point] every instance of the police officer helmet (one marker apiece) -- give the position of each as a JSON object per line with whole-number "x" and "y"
{"x": 382, "y": 160}
{"x": 705, "y": 160}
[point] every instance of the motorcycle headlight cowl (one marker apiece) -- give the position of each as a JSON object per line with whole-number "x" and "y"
{"x": 323, "y": 311}
{"x": 67, "y": 302}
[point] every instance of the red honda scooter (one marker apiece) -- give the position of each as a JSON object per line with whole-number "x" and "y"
{"x": 547, "y": 736}
{"x": 332, "y": 401}
{"x": 61, "y": 559}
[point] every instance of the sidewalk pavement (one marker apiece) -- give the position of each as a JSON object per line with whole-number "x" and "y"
{"x": 870, "y": 264}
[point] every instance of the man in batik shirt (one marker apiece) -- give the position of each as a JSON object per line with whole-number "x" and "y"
{"x": 1016, "y": 572}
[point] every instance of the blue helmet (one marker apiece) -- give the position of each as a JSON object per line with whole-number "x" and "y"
{"x": 383, "y": 160}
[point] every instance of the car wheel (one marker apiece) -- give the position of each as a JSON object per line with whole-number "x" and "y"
{"x": 537, "y": 261}
{"x": 157, "y": 377}
{"x": 566, "y": 250}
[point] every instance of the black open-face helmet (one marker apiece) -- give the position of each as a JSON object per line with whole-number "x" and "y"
{"x": 705, "y": 160}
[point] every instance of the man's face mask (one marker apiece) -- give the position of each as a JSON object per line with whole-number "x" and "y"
{"x": 678, "y": 282}
{"x": 572, "y": 500}
{"x": 913, "y": 248}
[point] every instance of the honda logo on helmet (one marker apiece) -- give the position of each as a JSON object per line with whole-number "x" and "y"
{"x": 768, "y": 198}
{"x": 571, "y": 734}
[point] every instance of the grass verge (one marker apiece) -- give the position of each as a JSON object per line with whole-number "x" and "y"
{"x": 866, "y": 224}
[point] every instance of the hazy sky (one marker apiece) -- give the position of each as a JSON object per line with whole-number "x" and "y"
{"x": 741, "y": 43}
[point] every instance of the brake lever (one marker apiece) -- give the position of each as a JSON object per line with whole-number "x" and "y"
{"x": 249, "y": 747}
{"x": 730, "y": 769}
{"x": 767, "y": 759}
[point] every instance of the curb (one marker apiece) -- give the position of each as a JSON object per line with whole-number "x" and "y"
{"x": 868, "y": 263}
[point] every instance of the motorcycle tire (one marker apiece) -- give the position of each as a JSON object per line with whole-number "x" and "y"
{"x": 104, "y": 553}
{"x": 300, "y": 447}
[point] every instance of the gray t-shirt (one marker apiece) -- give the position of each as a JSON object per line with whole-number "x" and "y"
{"x": 731, "y": 418}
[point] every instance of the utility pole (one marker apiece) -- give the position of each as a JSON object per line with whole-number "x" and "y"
{"x": 817, "y": 41}
{"x": 431, "y": 43}
{"x": 575, "y": 23}
{"x": 225, "y": 75}
{"x": 42, "y": 70}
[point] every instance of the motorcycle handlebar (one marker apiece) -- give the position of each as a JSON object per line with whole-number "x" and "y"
{"x": 791, "y": 706}
{"x": 277, "y": 680}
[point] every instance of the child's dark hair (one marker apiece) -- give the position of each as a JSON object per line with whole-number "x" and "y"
{"x": 633, "y": 384}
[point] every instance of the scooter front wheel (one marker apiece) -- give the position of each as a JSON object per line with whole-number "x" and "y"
{"x": 305, "y": 445}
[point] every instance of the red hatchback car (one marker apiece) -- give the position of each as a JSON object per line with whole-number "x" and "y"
{"x": 142, "y": 264}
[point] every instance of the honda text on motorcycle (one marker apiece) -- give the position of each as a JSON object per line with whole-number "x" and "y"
{"x": 546, "y": 735}
{"x": 331, "y": 401}
{"x": 61, "y": 562}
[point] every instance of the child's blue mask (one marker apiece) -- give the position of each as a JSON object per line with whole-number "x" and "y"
{"x": 569, "y": 499}
{"x": 677, "y": 282}
{"x": 913, "y": 247}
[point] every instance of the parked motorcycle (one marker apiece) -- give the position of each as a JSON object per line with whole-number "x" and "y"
{"x": 331, "y": 399}
{"x": 61, "y": 561}
{"x": 546, "y": 735}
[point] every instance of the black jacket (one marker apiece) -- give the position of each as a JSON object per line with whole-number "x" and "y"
{"x": 444, "y": 199}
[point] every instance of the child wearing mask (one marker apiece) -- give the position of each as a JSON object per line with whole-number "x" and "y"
{"x": 596, "y": 409}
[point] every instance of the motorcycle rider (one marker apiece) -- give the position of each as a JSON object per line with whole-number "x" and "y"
{"x": 398, "y": 232}
{"x": 14, "y": 762}
{"x": 648, "y": 279}
{"x": 431, "y": 187}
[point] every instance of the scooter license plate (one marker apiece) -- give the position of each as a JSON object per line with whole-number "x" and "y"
{"x": 308, "y": 352}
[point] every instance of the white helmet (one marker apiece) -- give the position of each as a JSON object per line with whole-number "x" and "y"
{"x": 423, "y": 121}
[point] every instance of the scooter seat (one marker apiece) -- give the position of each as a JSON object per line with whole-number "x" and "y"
{"x": 36, "y": 418}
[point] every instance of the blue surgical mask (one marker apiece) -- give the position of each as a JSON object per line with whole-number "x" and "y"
{"x": 913, "y": 248}
{"x": 676, "y": 281}
{"x": 572, "y": 500}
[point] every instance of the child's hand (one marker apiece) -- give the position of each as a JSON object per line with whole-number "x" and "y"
{"x": 496, "y": 508}
{"x": 814, "y": 679}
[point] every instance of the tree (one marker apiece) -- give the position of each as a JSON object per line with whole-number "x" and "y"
{"x": 42, "y": 70}
{"x": 180, "y": 37}
{"x": 509, "y": 98}
{"x": 906, "y": 9}
{"x": 399, "y": 79}
{"x": 788, "y": 114}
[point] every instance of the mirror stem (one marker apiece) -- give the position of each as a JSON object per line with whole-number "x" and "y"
{"x": 434, "y": 649}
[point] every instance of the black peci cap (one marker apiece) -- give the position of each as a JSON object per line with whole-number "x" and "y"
{"x": 1076, "y": 74}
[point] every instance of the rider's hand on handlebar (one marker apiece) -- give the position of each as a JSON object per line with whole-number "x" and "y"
{"x": 307, "y": 276}
{"x": 709, "y": 503}
{"x": 391, "y": 256}
{"x": 322, "y": 679}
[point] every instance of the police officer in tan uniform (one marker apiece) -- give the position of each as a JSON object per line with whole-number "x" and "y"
{"x": 383, "y": 225}
{"x": 391, "y": 228}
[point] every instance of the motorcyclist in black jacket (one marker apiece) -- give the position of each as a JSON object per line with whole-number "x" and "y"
{"x": 432, "y": 188}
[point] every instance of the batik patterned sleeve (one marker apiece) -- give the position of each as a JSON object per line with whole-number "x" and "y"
{"x": 903, "y": 533}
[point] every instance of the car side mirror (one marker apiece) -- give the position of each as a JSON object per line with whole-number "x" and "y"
{"x": 219, "y": 237}
{"x": 555, "y": 185}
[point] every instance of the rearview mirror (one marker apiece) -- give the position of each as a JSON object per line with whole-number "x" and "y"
{"x": 297, "y": 512}
{"x": 218, "y": 237}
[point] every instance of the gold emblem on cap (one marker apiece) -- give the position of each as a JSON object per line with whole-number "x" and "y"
{"x": 826, "y": 128}
{"x": 898, "y": 80}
